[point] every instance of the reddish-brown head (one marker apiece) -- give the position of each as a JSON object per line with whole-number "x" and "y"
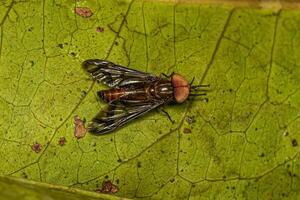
{"x": 181, "y": 88}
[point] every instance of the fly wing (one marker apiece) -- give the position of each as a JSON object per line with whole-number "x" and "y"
{"x": 117, "y": 115}
{"x": 114, "y": 75}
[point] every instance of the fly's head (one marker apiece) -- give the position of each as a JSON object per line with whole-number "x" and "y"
{"x": 183, "y": 89}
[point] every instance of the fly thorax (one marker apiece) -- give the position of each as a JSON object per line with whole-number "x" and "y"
{"x": 164, "y": 89}
{"x": 151, "y": 90}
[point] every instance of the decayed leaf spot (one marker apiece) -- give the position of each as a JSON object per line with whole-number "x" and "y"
{"x": 108, "y": 188}
{"x": 262, "y": 155}
{"x": 80, "y": 129}
{"x": 190, "y": 119}
{"x": 100, "y": 29}
{"x": 36, "y": 147}
{"x": 83, "y": 12}
{"x": 139, "y": 164}
{"x": 24, "y": 175}
{"x": 60, "y": 46}
{"x": 62, "y": 141}
{"x": 187, "y": 130}
{"x": 294, "y": 142}
{"x": 83, "y": 94}
{"x": 73, "y": 54}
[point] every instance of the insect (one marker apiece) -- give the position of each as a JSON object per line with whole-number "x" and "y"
{"x": 133, "y": 93}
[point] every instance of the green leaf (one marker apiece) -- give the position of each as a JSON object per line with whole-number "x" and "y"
{"x": 16, "y": 188}
{"x": 243, "y": 141}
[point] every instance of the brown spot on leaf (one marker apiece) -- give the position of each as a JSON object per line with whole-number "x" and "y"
{"x": 100, "y": 29}
{"x": 108, "y": 188}
{"x": 36, "y": 147}
{"x": 286, "y": 133}
{"x": 80, "y": 129}
{"x": 24, "y": 175}
{"x": 187, "y": 130}
{"x": 190, "y": 119}
{"x": 83, "y": 12}
{"x": 262, "y": 155}
{"x": 60, "y": 46}
{"x": 294, "y": 142}
{"x": 139, "y": 164}
{"x": 62, "y": 141}
{"x": 83, "y": 93}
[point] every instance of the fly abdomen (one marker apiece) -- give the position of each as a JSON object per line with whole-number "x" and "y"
{"x": 112, "y": 94}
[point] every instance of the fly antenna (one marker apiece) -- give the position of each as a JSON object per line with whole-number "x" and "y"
{"x": 200, "y": 86}
{"x": 195, "y": 95}
{"x": 198, "y": 90}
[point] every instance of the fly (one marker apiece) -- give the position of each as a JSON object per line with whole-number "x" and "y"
{"x": 133, "y": 93}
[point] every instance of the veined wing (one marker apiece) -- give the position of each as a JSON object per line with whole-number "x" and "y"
{"x": 117, "y": 115}
{"x": 115, "y": 75}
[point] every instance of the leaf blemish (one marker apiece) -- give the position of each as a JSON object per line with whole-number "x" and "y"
{"x": 190, "y": 119}
{"x": 84, "y": 12}
{"x": 294, "y": 142}
{"x": 100, "y": 29}
{"x": 187, "y": 130}
{"x": 62, "y": 141}
{"x": 25, "y": 175}
{"x": 108, "y": 188}
{"x": 80, "y": 129}
{"x": 32, "y": 63}
{"x": 60, "y": 46}
{"x": 139, "y": 164}
{"x": 83, "y": 93}
{"x": 262, "y": 155}
{"x": 36, "y": 147}
{"x": 73, "y": 54}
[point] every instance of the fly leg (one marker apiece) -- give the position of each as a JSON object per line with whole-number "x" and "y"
{"x": 167, "y": 76}
{"x": 167, "y": 114}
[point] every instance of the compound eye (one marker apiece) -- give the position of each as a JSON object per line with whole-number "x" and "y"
{"x": 181, "y": 88}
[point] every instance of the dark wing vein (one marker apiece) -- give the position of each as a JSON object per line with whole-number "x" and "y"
{"x": 114, "y": 75}
{"x": 117, "y": 115}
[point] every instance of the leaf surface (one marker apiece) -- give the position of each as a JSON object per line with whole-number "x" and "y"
{"x": 243, "y": 141}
